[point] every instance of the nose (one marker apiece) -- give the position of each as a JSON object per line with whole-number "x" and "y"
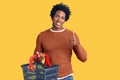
{"x": 59, "y": 19}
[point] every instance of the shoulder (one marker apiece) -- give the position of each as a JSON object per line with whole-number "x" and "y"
{"x": 68, "y": 31}
{"x": 43, "y": 33}
{"x": 72, "y": 32}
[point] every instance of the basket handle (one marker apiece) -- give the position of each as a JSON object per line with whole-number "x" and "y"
{"x": 47, "y": 61}
{"x": 32, "y": 60}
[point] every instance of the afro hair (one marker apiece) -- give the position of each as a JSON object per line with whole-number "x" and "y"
{"x": 61, "y": 7}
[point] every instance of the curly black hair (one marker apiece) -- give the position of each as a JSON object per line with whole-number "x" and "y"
{"x": 62, "y": 7}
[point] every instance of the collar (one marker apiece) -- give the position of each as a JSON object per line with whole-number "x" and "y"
{"x": 57, "y": 31}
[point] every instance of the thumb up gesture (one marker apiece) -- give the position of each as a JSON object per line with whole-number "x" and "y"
{"x": 75, "y": 38}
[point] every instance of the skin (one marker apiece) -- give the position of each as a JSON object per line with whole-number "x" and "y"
{"x": 58, "y": 20}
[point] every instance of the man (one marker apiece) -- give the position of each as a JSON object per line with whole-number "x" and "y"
{"x": 58, "y": 42}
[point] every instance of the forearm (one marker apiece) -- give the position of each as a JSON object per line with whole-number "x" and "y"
{"x": 80, "y": 52}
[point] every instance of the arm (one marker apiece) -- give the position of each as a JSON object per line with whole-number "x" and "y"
{"x": 80, "y": 52}
{"x": 78, "y": 49}
{"x": 39, "y": 49}
{"x": 38, "y": 55}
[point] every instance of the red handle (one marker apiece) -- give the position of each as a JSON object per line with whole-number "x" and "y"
{"x": 32, "y": 59}
{"x": 47, "y": 61}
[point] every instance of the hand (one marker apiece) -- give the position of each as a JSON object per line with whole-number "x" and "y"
{"x": 40, "y": 55}
{"x": 33, "y": 58}
{"x": 75, "y": 40}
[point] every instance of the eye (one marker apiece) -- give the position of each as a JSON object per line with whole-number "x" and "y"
{"x": 63, "y": 18}
{"x": 57, "y": 16}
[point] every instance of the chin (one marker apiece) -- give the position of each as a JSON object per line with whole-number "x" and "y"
{"x": 58, "y": 27}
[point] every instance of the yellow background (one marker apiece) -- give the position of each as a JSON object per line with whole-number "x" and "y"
{"x": 96, "y": 22}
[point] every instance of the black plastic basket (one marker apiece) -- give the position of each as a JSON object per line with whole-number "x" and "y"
{"x": 41, "y": 72}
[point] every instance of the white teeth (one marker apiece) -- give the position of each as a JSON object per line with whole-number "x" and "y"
{"x": 58, "y": 23}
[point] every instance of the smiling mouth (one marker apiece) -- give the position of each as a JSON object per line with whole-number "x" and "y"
{"x": 58, "y": 24}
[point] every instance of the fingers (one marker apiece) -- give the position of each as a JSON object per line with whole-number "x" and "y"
{"x": 75, "y": 40}
{"x": 32, "y": 58}
{"x": 40, "y": 54}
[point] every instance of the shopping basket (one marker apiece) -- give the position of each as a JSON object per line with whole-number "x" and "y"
{"x": 41, "y": 72}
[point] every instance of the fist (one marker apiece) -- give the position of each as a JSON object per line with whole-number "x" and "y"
{"x": 41, "y": 56}
{"x": 74, "y": 40}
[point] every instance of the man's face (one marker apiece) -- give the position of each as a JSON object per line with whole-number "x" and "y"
{"x": 58, "y": 19}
